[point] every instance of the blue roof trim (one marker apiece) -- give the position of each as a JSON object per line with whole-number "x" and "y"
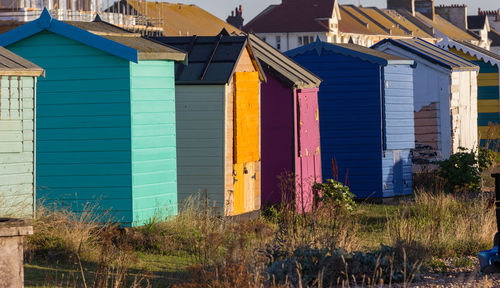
{"x": 46, "y": 22}
{"x": 319, "y": 46}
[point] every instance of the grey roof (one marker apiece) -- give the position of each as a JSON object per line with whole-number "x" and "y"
{"x": 352, "y": 50}
{"x": 147, "y": 49}
{"x": 211, "y": 59}
{"x": 282, "y": 66}
{"x": 431, "y": 53}
{"x": 14, "y": 65}
{"x": 481, "y": 50}
{"x": 373, "y": 52}
{"x": 494, "y": 37}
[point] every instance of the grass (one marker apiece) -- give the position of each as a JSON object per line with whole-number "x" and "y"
{"x": 199, "y": 249}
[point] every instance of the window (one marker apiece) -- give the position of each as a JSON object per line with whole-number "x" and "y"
{"x": 311, "y": 39}
{"x": 306, "y": 40}
{"x": 278, "y": 42}
{"x": 264, "y": 39}
{"x": 300, "y": 40}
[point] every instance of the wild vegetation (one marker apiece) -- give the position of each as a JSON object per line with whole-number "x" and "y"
{"x": 338, "y": 243}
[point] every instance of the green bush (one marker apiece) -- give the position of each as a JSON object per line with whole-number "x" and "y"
{"x": 334, "y": 193}
{"x": 462, "y": 171}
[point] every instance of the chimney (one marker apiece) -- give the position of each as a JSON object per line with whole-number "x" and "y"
{"x": 456, "y": 14}
{"x": 236, "y": 18}
{"x": 426, "y": 7}
{"x": 402, "y": 4}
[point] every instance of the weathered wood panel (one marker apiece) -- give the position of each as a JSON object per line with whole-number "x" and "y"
{"x": 16, "y": 146}
{"x": 400, "y": 139}
{"x": 350, "y": 119}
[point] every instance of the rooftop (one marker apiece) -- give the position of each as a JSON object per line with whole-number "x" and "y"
{"x": 182, "y": 19}
{"x": 212, "y": 59}
{"x": 431, "y": 53}
{"x": 281, "y": 66}
{"x": 293, "y": 16}
{"x": 14, "y": 65}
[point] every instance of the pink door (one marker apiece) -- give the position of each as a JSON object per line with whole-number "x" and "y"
{"x": 308, "y": 157}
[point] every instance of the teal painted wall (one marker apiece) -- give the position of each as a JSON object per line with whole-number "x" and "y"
{"x": 83, "y": 125}
{"x": 154, "y": 168}
{"x": 16, "y": 146}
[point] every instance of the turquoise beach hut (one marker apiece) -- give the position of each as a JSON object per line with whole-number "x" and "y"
{"x": 105, "y": 118}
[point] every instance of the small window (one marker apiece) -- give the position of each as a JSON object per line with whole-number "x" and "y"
{"x": 311, "y": 39}
{"x": 278, "y": 42}
{"x": 300, "y": 40}
{"x": 306, "y": 40}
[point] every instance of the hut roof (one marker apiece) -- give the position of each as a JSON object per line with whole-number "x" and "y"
{"x": 431, "y": 53}
{"x": 466, "y": 47}
{"x": 212, "y": 59}
{"x": 352, "y": 50}
{"x": 97, "y": 34}
{"x": 282, "y": 66}
{"x": 445, "y": 27}
{"x": 14, "y": 65}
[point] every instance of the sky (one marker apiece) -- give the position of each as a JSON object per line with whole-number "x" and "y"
{"x": 222, "y": 8}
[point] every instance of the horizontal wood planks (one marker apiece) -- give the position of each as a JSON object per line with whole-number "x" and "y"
{"x": 83, "y": 128}
{"x": 154, "y": 160}
{"x": 350, "y": 119}
{"x": 16, "y": 146}
{"x": 200, "y": 142}
{"x": 399, "y": 130}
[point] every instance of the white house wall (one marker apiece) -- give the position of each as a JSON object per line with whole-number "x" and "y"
{"x": 291, "y": 40}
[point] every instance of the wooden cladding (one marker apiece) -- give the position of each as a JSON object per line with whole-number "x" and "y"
{"x": 246, "y": 120}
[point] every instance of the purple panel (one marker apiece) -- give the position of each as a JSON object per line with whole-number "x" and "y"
{"x": 277, "y": 130}
{"x": 308, "y": 155}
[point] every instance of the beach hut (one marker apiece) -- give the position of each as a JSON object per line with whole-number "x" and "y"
{"x": 105, "y": 118}
{"x": 17, "y": 96}
{"x": 218, "y": 122}
{"x": 488, "y": 93}
{"x": 445, "y": 98}
{"x": 290, "y": 128}
{"x": 366, "y": 116}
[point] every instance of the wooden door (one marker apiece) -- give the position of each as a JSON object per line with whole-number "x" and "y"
{"x": 246, "y": 141}
{"x": 308, "y": 161}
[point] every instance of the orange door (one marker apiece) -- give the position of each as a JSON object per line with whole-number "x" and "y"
{"x": 246, "y": 141}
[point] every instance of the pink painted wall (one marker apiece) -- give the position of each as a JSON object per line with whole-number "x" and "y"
{"x": 284, "y": 117}
{"x": 308, "y": 153}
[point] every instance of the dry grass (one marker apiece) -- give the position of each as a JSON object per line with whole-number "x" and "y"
{"x": 443, "y": 225}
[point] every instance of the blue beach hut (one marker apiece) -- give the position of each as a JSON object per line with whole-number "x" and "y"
{"x": 366, "y": 116}
{"x": 105, "y": 134}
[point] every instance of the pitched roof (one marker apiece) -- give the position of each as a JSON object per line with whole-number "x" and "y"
{"x": 350, "y": 24}
{"x": 352, "y": 50}
{"x": 182, "y": 19}
{"x": 281, "y": 66}
{"x": 466, "y": 47}
{"x": 431, "y": 53}
{"x": 445, "y": 27}
{"x": 212, "y": 59}
{"x": 14, "y": 65}
{"x": 97, "y": 34}
{"x": 293, "y": 16}
{"x": 476, "y": 22}
{"x": 406, "y": 24}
